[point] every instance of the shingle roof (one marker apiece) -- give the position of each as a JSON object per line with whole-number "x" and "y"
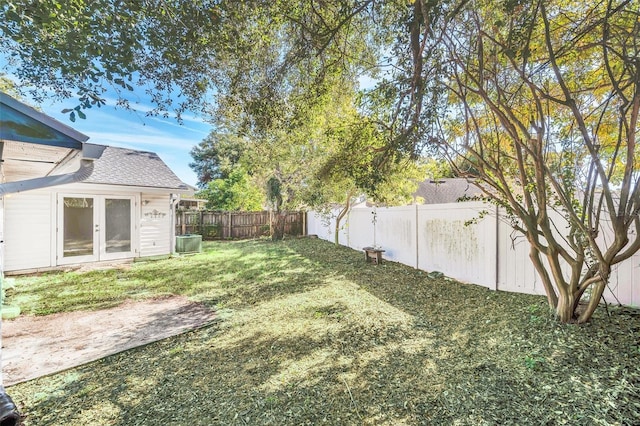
{"x": 448, "y": 190}
{"x": 128, "y": 167}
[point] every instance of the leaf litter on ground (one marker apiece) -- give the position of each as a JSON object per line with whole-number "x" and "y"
{"x": 311, "y": 334}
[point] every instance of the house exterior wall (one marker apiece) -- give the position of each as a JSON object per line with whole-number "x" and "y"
{"x": 155, "y": 225}
{"x": 31, "y": 222}
{"x": 28, "y": 230}
{"x": 1, "y": 238}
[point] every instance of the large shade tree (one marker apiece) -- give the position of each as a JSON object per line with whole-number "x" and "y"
{"x": 216, "y": 156}
{"x": 539, "y": 100}
{"x": 183, "y": 54}
{"x": 539, "y": 103}
{"x": 358, "y": 164}
{"x": 317, "y": 153}
{"x": 320, "y": 152}
{"x": 81, "y": 48}
{"x": 542, "y": 99}
{"x": 235, "y": 192}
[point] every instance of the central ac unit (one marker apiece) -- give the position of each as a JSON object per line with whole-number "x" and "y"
{"x": 190, "y": 243}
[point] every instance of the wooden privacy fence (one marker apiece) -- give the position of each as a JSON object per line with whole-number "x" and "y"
{"x": 214, "y": 225}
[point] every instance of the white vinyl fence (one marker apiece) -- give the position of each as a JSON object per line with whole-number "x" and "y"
{"x": 435, "y": 238}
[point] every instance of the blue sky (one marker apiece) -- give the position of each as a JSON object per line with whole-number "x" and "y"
{"x": 119, "y": 127}
{"x": 132, "y": 128}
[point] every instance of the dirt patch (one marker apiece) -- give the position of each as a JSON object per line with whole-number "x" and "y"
{"x": 37, "y": 346}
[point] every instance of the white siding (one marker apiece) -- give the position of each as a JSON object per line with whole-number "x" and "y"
{"x": 155, "y": 225}
{"x": 1, "y": 237}
{"x": 28, "y": 230}
{"x": 30, "y": 220}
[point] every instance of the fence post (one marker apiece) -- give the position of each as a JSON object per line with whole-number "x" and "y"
{"x": 417, "y": 240}
{"x": 304, "y": 223}
{"x": 230, "y": 226}
{"x": 497, "y": 271}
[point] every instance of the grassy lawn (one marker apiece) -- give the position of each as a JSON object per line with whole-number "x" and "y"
{"x": 309, "y": 334}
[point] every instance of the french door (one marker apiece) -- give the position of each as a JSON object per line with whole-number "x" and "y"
{"x": 95, "y": 227}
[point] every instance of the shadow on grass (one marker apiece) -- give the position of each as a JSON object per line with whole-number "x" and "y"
{"x": 257, "y": 379}
{"x": 243, "y": 272}
{"x": 319, "y": 337}
{"x": 401, "y": 375}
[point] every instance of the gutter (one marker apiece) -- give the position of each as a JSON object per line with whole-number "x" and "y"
{"x": 89, "y": 154}
{"x": 85, "y": 170}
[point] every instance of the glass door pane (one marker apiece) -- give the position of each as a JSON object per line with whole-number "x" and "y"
{"x": 117, "y": 225}
{"x": 78, "y": 227}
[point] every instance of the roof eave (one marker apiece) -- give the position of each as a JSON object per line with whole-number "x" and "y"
{"x": 22, "y": 108}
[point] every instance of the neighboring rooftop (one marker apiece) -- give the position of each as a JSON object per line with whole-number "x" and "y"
{"x": 447, "y": 190}
{"x": 128, "y": 167}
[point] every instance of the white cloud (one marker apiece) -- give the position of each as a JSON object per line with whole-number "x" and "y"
{"x": 144, "y": 108}
{"x": 174, "y": 123}
{"x": 137, "y": 140}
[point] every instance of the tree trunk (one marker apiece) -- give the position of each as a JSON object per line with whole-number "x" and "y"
{"x": 594, "y": 301}
{"x": 277, "y": 225}
{"x": 534, "y": 255}
{"x": 341, "y": 215}
{"x": 274, "y": 195}
{"x": 565, "y": 311}
{"x": 336, "y": 232}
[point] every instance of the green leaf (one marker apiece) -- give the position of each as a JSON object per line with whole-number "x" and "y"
{"x": 72, "y": 117}
{"x": 82, "y": 115}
